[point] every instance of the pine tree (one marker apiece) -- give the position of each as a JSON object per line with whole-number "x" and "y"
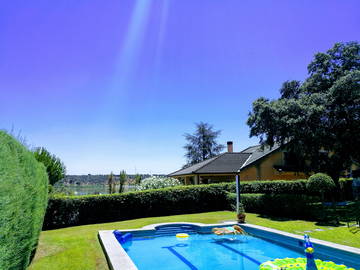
{"x": 202, "y": 144}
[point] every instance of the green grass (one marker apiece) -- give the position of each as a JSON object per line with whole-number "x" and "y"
{"x": 78, "y": 247}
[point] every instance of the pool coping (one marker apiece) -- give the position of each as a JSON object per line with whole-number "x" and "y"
{"x": 319, "y": 242}
{"x": 118, "y": 259}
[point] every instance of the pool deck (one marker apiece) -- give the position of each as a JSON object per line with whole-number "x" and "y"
{"x": 115, "y": 254}
{"x": 118, "y": 259}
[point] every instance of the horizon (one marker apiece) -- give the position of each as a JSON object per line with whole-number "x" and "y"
{"x": 113, "y": 86}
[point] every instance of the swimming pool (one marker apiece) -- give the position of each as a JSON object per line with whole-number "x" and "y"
{"x": 204, "y": 251}
{"x": 157, "y": 247}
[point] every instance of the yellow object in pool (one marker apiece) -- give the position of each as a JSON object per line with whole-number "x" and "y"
{"x": 182, "y": 235}
{"x": 300, "y": 264}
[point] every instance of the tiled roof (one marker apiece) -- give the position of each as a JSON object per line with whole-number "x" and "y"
{"x": 223, "y": 163}
{"x": 258, "y": 153}
{"x": 228, "y": 162}
{"x": 193, "y": 168}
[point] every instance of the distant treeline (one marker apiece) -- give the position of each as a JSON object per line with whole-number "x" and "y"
{"x": 98, "y": 179}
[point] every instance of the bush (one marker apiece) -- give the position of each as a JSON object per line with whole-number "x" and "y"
{"x": 281, "y": 205}
{"x": 321, "y": 183}
{"x": 268, "y": 187}
{"x": 23, "y": 197}
{"x": 80, "y": 210}
{"x": 55, "y": 169}
{"x": 156, "y": 182}
{"x": 275, "y": 187}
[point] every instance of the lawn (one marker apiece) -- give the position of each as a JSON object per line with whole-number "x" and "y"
{"x": 78, "y": 247}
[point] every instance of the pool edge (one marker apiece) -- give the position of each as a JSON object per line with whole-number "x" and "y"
{"x": 118, "y": 259}
{"x": 116, "y": 256}
{"x": 323, "y": 243}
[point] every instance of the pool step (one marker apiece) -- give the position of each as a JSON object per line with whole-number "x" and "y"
{"x": 173, "y": 230}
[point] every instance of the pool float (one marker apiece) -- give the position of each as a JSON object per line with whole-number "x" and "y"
{"x": 182, "y": 235}
{"x": 228, "y": 230}
{"x": 300, "y": 264}
{"x": 308, "y": 263}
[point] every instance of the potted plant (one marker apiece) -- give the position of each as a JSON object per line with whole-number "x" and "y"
{"x": 241, "y": 214}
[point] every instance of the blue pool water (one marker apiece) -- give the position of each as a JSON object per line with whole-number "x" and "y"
{"x": 204, "y": 251}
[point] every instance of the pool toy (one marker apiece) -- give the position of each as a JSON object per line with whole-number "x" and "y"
{"x": 228, "y": 230}
{"x": 182, "y": 235}
{"x": 308, "y": 263}
{"x": 300, "y": 264}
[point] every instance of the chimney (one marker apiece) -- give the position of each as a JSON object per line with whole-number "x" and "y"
{"x": 230, "y": 146}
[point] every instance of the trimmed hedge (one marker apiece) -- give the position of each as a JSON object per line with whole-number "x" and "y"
{"x": 322, "y": 183}
{"x": 281, "y": 205}
{"x": 268, "y": 187}
{"x": 275, "y": 187}
{"x": 64, "y": 211}
{"x": 23, "y": 198}
{"x": 80, "y": 210}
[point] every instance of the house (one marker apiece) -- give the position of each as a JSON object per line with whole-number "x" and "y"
{"x": 253, "y": 163}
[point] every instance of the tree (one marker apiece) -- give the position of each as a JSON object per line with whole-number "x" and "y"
{"x": 111, "y": 183}
{"x": 202, "y": 144}
{"x": 137, "y": 179}
{"x": 55, "y": 168}
{"x": 319, "y": 119}
{"x": 122, "y": 178}
{"x": 320, "y": 183}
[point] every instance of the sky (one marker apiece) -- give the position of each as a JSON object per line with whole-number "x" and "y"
{"x": 112, "y": 85}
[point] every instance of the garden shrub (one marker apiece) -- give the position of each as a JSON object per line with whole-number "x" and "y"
{"x": 281, "y": 205}
{"x": 321, "y": 183}
{"x": 64, "y": 211}
{"x": 67, "y": 211}
{"x": 156, "y": 182}
{"x": 275, "y": 187}
{"x": 269, "y": 187}
{"x": 23, "y": 198}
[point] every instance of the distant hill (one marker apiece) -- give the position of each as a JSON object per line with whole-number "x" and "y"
{"x": 97, "y": 179}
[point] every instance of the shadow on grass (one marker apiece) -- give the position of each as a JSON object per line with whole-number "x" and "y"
{"x": 330, "y": 223}
{"x": 276, "y": 218}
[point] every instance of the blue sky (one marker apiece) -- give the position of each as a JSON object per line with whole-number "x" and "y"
{"x": 111, "y": 85}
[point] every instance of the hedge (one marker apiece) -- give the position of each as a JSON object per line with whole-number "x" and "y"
{"x": 268, "y": 187}
{"x": 281, "y": 205}
{"x": 64, "y": 211}
{"x": 275, "y": 187}
{"x": 80, "y": 210}
{"x": 23, "y": 198}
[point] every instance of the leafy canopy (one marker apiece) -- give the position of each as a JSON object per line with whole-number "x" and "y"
{"x": 202, "y": 144}
{"x": 55, "y": 168}
{"x": 320, "y": 117}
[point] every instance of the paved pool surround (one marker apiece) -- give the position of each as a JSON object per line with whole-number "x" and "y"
{"x": 118, "y": 259}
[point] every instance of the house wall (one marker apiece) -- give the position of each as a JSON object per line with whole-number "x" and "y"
{"x": 205, "y": 178}
{"x": 264, "y": 170}
{"x": 210, "y": 179}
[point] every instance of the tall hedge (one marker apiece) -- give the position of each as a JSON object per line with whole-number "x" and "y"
{"x": 280, "y": 205}
{"x": 64, "y": 211}
{"x": 268, "y": 187}
{"x": 23, "y": 200}
{"x": 79, "y": 210}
